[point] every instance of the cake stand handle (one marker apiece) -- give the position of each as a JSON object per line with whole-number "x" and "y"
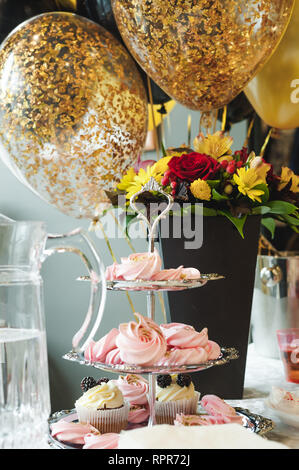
{"x": 152, "y": 400}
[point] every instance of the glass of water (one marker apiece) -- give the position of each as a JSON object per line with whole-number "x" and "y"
{"x": 24, "y": 381}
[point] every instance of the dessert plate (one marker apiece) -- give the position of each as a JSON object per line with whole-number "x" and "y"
{"x": 227, "y": 354}
{"x": 290, "y": 419}
{"x": 140, "y": 285}
{"x": 253, "y": 422}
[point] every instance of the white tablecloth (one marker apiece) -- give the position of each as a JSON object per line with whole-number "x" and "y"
{"x": 261, "y": 373}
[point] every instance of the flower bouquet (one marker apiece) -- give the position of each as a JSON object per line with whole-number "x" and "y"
{"x": 234, "y": 185}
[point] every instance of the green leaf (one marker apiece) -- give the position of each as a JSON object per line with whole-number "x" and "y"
{"x": 213, "y": 183}
{"x": 264, "y": 197}
{"x": 281, "y": 207}
{"x": 269, "y": 223}
{"x": 237, "y": 221}
{"x": 217, "y": 196}
{"x": 260, "y": 210}
{"x": 290, "y": 220}
{"x": 207, "y": 211}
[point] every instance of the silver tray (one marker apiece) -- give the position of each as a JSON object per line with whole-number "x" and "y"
{"x": 140, "y": 285}
{"x": 253, "y": 422}
{"x": 227, "y": 355}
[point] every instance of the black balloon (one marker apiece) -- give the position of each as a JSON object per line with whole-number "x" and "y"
{"x": 101, "y": 12}
{"x": 14, "y": 12}
{"x": 238, "y": 110}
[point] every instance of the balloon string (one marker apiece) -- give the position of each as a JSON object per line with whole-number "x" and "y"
{"x": 262, "y": 152}
{"x": 189, "y": 130}
{"x": 249, "y": 132}
{"x": 153, "y": 116}
{"x": 215, "y": 121}
{"x": 224, "y": 114}
{"x": 114, "y": 259}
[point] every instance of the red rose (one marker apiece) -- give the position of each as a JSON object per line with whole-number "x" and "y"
{"x": 192, "y": 166}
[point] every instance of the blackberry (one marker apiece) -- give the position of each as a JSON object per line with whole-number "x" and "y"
{"x": 104, "y": 379}
{"x": 164, "y": 380}
{"x": 183, "y": 380}
{"x": 87, "y": 383}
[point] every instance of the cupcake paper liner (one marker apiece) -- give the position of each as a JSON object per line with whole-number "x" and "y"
{"x": 166, "y": 411}
{"x": 113, "y": 420}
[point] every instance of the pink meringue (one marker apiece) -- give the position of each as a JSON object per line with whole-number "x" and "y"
{"x": 97, "y": 351}
{"x": 141, "y": 343}
{"x": 133, "y": 388}
{"x": 73, "y": 433}
{"x": 179, "y": 357}
{"x": 113, "y": 357}
{"x": 205, "y": 420}
{"x": 184, "y": 336}
{"x": 104, "y": 441}
{"x": 216, "y": 406}
{"x": 213, "y": 350}
{"x": 138, "y": 414}
{"x": 175, "y": 274}
{"x": 135, "y": 266}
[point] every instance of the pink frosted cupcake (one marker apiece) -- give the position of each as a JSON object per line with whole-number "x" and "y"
{"x": 175, "y": 394}
{"x": 135, "y": 389}
{"x": 103, "y": 406}
{"x": 141, "y": 343}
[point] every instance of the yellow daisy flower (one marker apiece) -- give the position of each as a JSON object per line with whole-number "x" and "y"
{"x": 286, "y": 175}
{"x": 161, "y": 165}
{"x": 140, "y": 180}
{"x": 260, "y": 167}
{"x": 215, "y": 145}
{"x": 201, "y": 190}
{"x": 247, "y": 180}
{"x": 127, "y": 180}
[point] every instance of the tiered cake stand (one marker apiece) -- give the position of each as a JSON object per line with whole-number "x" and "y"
{"x": 150, "y": 287}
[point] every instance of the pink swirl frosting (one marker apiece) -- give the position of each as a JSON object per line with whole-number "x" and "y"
{"x": 141, "y": 343}
{"x": 205, "y": 420}
{"x": 175, "y": 274}
{"x": 213, "y": 350}
{"x": 113, "y": 357}
{"x": 97, "y": 351}
{"x": 104, "y": 441}
{"x": 136, "y": 266}
{"x": 73, "y": 433}
{"x": 133, "y": 388}
{"x": 138, "y": 414}
{"x": 184, "y": 336}
{"x": 216, "y": 406}
{"x": 179, "y": 357}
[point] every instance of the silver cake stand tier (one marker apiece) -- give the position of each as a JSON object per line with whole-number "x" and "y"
{"x": 150, "y": 287}
{"x": 253, "y": 422}
{"x": 141, "y": 285}
{"x": 227, "y": 355}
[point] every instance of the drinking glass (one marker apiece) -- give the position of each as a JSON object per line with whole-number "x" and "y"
{"x": 288, "y": 341}
{"x": 24, "y": 381}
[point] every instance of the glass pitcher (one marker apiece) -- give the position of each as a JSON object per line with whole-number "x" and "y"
{"x": 24, "y": 382}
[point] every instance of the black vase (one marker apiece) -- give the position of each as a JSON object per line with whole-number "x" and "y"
{"x": 223, "y": 306}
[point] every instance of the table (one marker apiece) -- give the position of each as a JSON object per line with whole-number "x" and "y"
{"x": 261, "y": 374}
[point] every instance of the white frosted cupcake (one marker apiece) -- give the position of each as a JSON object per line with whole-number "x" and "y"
{"x": 174, "y": 394}
{"x": 103, "y": 407}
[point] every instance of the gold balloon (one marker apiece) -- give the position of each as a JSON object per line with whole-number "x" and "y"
{"x": 73, "y": 110}
{"x": 274, "y": 91}
{"x": 201, "y": 52}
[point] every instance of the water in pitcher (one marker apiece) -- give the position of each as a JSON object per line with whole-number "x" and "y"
{"x": 24, "y": 389}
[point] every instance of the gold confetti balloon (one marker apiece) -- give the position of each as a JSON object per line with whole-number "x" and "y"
{"x": 202, "y": 53}
{"x": 73, "y": 110}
